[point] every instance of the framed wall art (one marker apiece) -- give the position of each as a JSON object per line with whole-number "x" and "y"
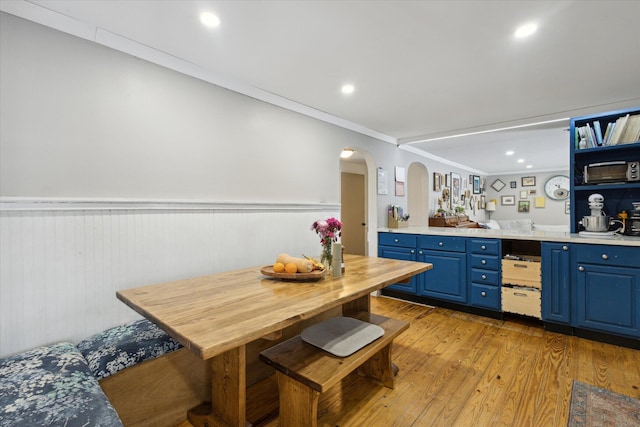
{"x": 437, "y": 182}
{"x": 477, "y": 189}
{"x": 456, "y": 184}
{"x": 508, "y": 200}
{"x": 524, "y": 194}
{"x": 528, "y": 181}
{"x": 523, "y": 206}
{"x": 497, "y": 185}
{"x": 513, "y": 184}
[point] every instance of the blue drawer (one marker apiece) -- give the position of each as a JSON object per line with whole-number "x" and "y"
{"x": 484, "y": 246}
{"x": 488, "y": 277}
{"x": 488, "y": 262}
{"x": 443, "y": 243}
{"x": 485, "y": 296}
{"x": 625, "y": 256}
{"x": 397, "y": 239}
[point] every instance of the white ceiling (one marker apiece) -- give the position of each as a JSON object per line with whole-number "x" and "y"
{"x": 422, "y": 69}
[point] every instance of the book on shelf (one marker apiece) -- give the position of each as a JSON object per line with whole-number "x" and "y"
{"x": 631, "y": 132}
{"x": 598, "y": 131}
{"x": 617, "y": 132}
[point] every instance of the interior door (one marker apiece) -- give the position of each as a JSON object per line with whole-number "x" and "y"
{"x": 353, "y": 215}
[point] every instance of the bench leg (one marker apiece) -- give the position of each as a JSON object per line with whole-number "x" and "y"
{"x": 379, "y": 368}
{"x": 298, "y": 403}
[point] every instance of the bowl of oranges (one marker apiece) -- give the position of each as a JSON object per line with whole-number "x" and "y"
{"x": 287, "y": 267}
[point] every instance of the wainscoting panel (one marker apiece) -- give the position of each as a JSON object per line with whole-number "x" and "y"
{"x": 61, "y": 267}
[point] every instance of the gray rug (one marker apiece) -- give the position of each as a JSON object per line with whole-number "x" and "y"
{"x": 596, "y": 407}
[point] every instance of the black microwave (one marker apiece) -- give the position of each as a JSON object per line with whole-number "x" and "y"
{"x": 621, "y": 171}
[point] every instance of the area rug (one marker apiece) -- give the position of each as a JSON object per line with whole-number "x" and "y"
{"x": 596, "y": 407}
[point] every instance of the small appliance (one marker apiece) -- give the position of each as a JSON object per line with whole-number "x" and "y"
{"x": 598, "y": 223}
{"x": 632, "y": 223}
{"x": 606, "y": 172}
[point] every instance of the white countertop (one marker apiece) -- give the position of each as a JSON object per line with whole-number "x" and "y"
{"x": 543, "y": 236}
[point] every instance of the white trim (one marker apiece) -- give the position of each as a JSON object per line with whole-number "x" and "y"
{"x": 60, "y": 22}
{"x": 423, "y": 153}
{"x": 84, "y": 204}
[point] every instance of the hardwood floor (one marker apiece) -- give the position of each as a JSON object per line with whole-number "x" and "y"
{"x": 458, "y": 369}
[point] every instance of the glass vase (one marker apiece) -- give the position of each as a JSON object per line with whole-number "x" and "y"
{"x": 327, "y": 256}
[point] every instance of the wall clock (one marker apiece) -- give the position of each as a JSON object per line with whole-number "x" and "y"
{"x": 557, "y": 187}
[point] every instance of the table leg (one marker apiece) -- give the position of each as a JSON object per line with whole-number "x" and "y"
{"x": 357, "y": 305}
{"x": 229, "y": 392}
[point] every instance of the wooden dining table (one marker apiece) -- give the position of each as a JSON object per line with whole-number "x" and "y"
{"x": 216, "y": 316}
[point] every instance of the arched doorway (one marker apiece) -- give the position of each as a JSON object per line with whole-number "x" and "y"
{"x": 358, "y": 204}
{"x": 418, "y": 194}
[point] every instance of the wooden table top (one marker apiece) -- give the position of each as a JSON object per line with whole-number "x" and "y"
{"x": 216, "y": 313}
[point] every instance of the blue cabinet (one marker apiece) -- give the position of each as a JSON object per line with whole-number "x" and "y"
{"x": 484, "y": 258}
{"x": 402, "y": 247}
{"x": 448, "y": 278}
{"x": 607, "y": 294}
{"x": 556, "y": 283}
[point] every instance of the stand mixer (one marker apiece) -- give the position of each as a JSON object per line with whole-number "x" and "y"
{"x": 598, "y": 223}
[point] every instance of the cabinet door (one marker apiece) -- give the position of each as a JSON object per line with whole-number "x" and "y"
{"x": 556, "y": 290}
{"x": 448, "y": 278}
{"x": 608, "y": 299}
{"x": 404, "y": 254}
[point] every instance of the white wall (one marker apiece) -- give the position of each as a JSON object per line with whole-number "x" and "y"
{"x": 115, "y": 172}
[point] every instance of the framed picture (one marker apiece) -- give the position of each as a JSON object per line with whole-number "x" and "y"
{"x": 437, "y": 182}
{"x": 513, "y": 184}
{"x": 456, "y": 185}
{"x": 497, "y": 185}
{"x": 508, "y": 200}
{"x": 524, "y": 194}
{"x": 523, "y": 206}
{"x": 477, "y": 189}
{"x": 528, "y": 181}
{"x": 448, "y": 180}
{"x": 483, "y": 202}
{"x": 533, "y": 192}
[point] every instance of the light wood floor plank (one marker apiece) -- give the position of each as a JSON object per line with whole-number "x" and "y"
{"x": 457, "y": 369}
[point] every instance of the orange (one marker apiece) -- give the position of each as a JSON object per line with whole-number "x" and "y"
{"x": 278, "y": 267}
{"x": 291, "y": 268}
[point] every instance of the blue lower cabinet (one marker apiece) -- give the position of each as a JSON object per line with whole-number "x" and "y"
{"x": 608, "y": 299}
{"x": 556, "y": 283}
{"x": 401, "y": 247}
{"x": 448, "y": 278}
{"x": 486, "y": 296}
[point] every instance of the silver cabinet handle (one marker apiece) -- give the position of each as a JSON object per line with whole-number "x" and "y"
{"x": 581, "y": 268}
{"x": 483, "y": 293}
{"x": 395, "y": 240}
{"x": 605, "y": 256}
{"x": 420, "y": 252}
{"x": 565, "y": 248}
{"x": 484, "y": 277}
{"x": 483, "y": 247}
{"x": 440, "y": 244}
{"x": 483, "y": 262}
{"x": 413, "y": 251}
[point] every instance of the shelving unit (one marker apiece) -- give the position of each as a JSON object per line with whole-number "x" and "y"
{"x": 617, "y": 196}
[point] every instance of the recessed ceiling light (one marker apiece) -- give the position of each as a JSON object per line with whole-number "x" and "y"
{"x": 520, "y": 160}
{"x": 509, "y": 153}
{"x": 529, "y": 166}
{"x": 526, "y": 30}
{"x": 348, "y": 89}
{"x": 209, "y": 19}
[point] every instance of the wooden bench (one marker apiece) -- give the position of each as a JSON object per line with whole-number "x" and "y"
{"x": 304, "y": 371}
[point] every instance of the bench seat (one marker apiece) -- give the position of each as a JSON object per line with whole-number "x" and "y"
{"x": 304, "y": 371}
{"x": 52, "y": 386}
{"x": 120, "y": 347}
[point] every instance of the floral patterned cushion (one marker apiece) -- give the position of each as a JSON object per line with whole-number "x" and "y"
{"x": 117, "y": 348}
{"x": 52, "y": 386}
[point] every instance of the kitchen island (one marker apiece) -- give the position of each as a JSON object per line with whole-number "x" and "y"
{"x": 588, "y": 286}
